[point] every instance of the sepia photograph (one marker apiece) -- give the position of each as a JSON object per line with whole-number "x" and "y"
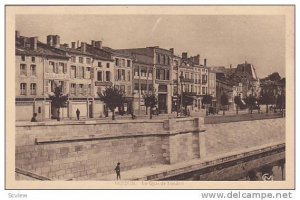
{"x": 150, "y": 97}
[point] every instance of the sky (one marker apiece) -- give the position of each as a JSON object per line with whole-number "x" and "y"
{"x": 221, "y": 39}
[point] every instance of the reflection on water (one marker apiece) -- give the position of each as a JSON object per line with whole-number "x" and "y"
{"x": 270, "y": 172}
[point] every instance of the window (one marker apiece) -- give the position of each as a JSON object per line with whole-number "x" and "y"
{"x": 107, "y": 76}
{"x": 162, "y": 74}
{"x": 107, "y": 65}
{"x": 143, "y": 72}
{"x": 65, "y": 69}
{"x": 23, "y": 58}
{"x": 136, "y": 71}
{"x": 157, "y": 58}
{"x": 81, "y": 72}
{"x": 23, "y": 69}
{"x": 81, "y": 59}
{"x": 122, "y": 88}
{"x": 136, "y": 86}
{"x": 168, "y": 75}
{"x": 88, "y": 60}
{"x": 73, "y": 71}
{"x": 33, "y": 59}
{"x": 52, "y": 67}
{"x": 99, "y": 76}
{"x": 80, "y": 88}
{"x": 123, "y": 75}
{"x": 143, "y": 88}
{"x": 157, "y": 73}
{"x": 99, "y": 64}
{"x": 203, "y": 90}
{"x": 73, "y": 59}
{"x": 87, "y": 73}
{"x": 128, "y": 63}
{"x": 61, "y": 68}
{"x": 117, "y": 62}
{"x": 23, "y": 88}
{"x": 62, "y": 85}
{"x": 33, "y": 70}
{"x": 89, "y": 89}
{"x": 73, "y": 88}
{"x": 123, "y": 62}
{"x": 128, "y": 75}
{"x": 33, "y": 88}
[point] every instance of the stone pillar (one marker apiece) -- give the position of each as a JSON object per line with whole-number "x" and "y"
{"x": 70, "y": 109}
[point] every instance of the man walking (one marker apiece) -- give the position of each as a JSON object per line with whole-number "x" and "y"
{"x": 78, "y": 113}
{"x": 118, "y": 171}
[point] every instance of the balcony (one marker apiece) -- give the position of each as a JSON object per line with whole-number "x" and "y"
{"x": 188, "y": 80}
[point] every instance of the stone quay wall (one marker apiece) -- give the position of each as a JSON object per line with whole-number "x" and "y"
{"x": 85, "y": 150}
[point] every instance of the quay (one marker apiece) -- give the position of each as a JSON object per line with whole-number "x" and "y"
{"x": 156, "y": 149}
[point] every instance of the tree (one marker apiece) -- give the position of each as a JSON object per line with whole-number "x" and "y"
{"x": 250, "y": 102}
{"x": 280, "y": 102}
{"x": 224, "y": 102}
{"x": 186, "y": 101}
{"x": 207, "y": 100}
{"x": 267, "y": 99}
{"x": 113, "y": 98}
{"x": 274, "y": 77}
{"x": 238, "y": 102}
{"x": 150, "y": 100}
{"x": 58, "y": 100}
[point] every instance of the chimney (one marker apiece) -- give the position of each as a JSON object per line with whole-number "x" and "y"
{"x": 204, "y": 62}
{"x": 172, "y": 50}
{"x": 184, "y": 55}
{"x": 73, "y": 44}
{"x": 66, "y": 45}
{"x": 93, "y": 43}
{"x": 98, "y": 44}
{"x": 50, "y": 40}
{"x": 197, "y": 59}
{"x": 33, "y": 43}
{"x": 77, "y": 43}
{"x": 230, "y": 66}
{"x": 23, "y": 41}
{"x": 83, "y": 47}
{"x": 17, "y": 34}
{"x": 56, "y": 41}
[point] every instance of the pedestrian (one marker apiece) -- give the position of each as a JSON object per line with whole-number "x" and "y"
{"x": 78, "y": 113}
{"x": 118, "y": 171}
{"x": 33, "y": 119}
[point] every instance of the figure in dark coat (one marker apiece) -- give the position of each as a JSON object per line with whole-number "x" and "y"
{"x": 78, "y": 113}
{"x": 118, "y": 171}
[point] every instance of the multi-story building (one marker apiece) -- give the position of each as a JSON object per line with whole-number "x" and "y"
{"x": 103, "y": 75}
{"x": 161, "y": 67}
{"x": 39, "y": 69}
{"x": 79, "y": 86}
{"x": 212, "y": 87}
{"x": 123, "y": 76}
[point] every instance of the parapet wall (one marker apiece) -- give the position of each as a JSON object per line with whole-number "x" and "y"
{"x": 91, "y": 149}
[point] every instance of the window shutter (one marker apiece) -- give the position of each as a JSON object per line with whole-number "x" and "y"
{"x": 65, "y": 68}
{"x": 77, "y": 71}
{"x": 85, "y": 89}
{"x": 46, "y": 87}
{"x": 92, "y": 73}
{"x": 56, "y": 68}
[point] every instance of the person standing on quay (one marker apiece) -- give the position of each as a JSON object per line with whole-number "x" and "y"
{"x": 118, "y": 171}
{"x": 78, "y": 113}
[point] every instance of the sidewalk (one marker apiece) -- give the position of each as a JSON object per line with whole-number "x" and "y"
{"x": 159, "y": 171}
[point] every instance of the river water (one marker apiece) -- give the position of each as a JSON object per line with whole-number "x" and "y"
{"x": 268, "y": 172}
